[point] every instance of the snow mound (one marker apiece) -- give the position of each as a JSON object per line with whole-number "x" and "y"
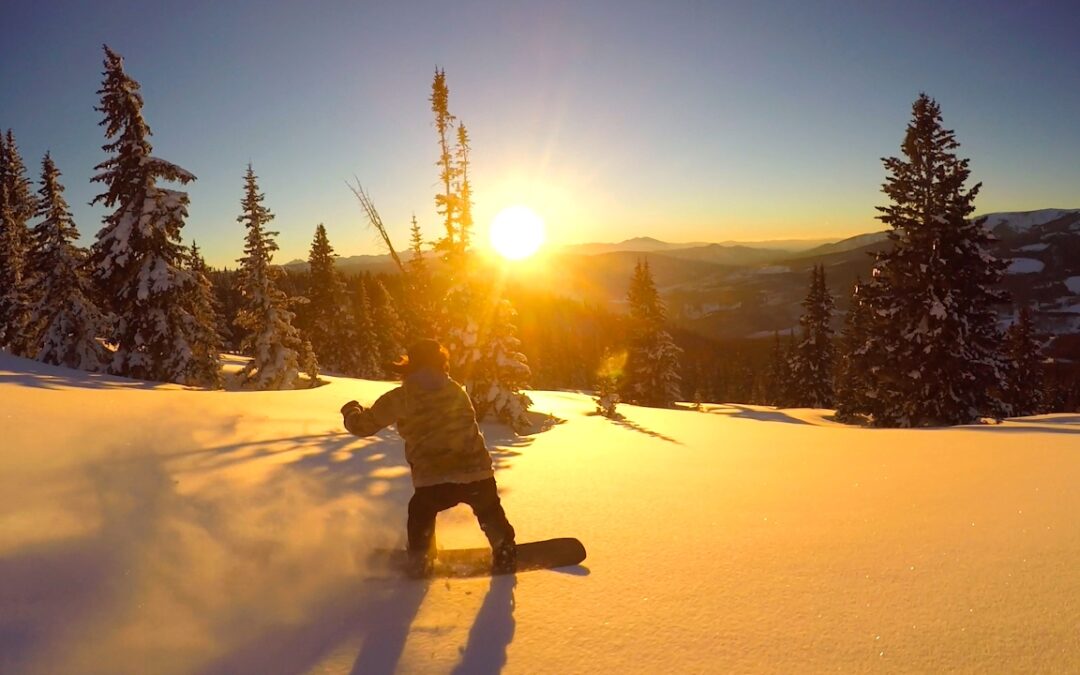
{"x": 1073, "y": 284}
{"x": 1025, "y": 266}
{"x": 1035, "y": 248}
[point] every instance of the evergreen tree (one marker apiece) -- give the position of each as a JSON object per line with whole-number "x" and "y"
{"x": 475, "y": 324}
{"x": 138, "y": 255}
{"x": 446, "y": 202}
{"x": 418, "y": 305}
{"x": 812, "y": 361}
{"x": 464, "y": 188}
{"x": 65, "y": 324}
{"x": 501, "y": 371}
{"x": 853, "y": 376}
{"x": 278, "y": 352}
{"x": 369, "y": 363}
{"x": 607, "y": 384}
{"x": 228, "y": 298}
{"x": 204, "y": 368}
{"x": 934, "y": 342}
{"x": 389, "y": 328}
{"x": 17, "y": 207}
{"x": 331, "y": 326}
{"x": 1023, "y": 391}
{"x": 461, "y": 304}
{"x": 778, "y": 377}
{"x": 652, "y": 376}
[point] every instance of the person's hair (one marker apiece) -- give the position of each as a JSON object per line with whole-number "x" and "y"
{"x": 426, "y": 353}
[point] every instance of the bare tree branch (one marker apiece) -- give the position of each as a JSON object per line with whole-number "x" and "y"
{"x": 375, "y": 220}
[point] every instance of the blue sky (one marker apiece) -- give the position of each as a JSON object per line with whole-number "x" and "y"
{"x": 681, "y": 120}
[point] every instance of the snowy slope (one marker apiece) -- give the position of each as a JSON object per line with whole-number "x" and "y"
{"x": 157, "y": 529}
{"x": 1021, "y": 221}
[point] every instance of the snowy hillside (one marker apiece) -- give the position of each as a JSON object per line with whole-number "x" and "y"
{"x": 151, "y": 528}
{"x": 1022, "y": 221}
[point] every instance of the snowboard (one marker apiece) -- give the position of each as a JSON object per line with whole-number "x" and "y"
{"x": 476, "y": 562}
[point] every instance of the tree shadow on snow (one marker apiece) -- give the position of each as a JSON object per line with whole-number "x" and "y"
{"x": 40, "y": 375}
{"x": 504, "y": 443}
{"x": 1023, "y": 425}
{"x": 634, "y": 426}
{"x": 745, "y": 412}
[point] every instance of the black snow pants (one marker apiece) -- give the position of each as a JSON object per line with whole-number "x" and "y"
{"x": 481, "y": 495}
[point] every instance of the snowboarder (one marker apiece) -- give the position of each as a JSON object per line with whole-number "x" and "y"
{"x": 443, "y": 445}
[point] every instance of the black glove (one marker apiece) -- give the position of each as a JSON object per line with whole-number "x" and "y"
{"x": 351, "y": 406}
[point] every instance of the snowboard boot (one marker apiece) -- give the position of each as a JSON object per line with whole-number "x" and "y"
{"x": 504, "y": 558}
{"x": 419, "y": 564}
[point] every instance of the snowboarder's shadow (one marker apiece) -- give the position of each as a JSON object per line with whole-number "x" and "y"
{"x": 492, "y": 631}
{"x": 390, "y": 618}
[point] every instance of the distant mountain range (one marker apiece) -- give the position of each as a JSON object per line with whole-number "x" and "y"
{"x": 744, "y": 289}
{"x": 649, "y": 244}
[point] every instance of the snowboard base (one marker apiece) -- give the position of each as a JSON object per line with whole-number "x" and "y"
{"x": 476, "y": 562}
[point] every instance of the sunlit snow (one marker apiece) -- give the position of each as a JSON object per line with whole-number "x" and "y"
{"x": 152, "y": 528}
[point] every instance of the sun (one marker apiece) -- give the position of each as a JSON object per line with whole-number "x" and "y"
{"x": 517, "y": 232}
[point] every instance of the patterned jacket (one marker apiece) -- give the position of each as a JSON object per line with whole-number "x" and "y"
{"x": 435, "y": 417}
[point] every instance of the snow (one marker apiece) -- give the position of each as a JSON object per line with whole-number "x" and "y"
{"x": 1035, "y": 248}
{"x": 1022, "y": 221}
{"x": 1025, "y": 266}
{"x": 225, "y": 532}
{"x": 1073, "y": 284}
{"x": 937, "y": 310}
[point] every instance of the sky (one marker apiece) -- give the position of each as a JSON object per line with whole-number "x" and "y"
{"x": 686, "y": 121}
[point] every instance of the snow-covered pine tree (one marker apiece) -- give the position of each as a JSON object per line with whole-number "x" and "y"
{"x": 331, "y": 326}
{"x": 278, "y": 352}
{"x": 1023, "y": 393}
{"x": 138, "y": 256}
{"x": 65, "y": 324}
{"x": 936, "y": 342}
{"x": 204, "y": 369}
{"x": 17, "y": 207}
{"x": 369, "y": 360}
{"x": 389, "y": 328}
{"x": 812, "y": 361}
{"x": 501, "y": 372}
{"x": 652, "y": 365}
{"x": 607, "y": 397}
{"x": 853, "y": 367}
